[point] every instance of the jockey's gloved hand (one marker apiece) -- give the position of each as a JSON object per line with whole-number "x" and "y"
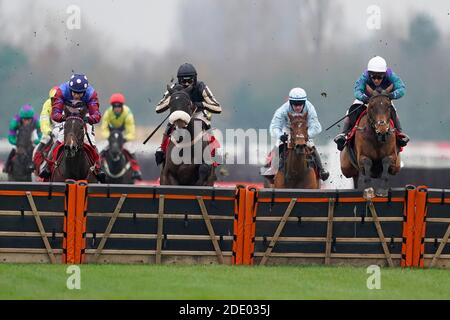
{"x": 198, "y": 106}
{"x": 80, "y": 105}
{"x": 284, "y": 137}
{"x": 391, "y": 95}
{"x": 365, "y": 99}
{"x": 87, "y": 119}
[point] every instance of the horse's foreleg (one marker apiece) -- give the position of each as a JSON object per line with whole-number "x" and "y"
{"x": 386, "y": 162}
{"x": 204, "y": 171}
{"x": 365, "y": 166}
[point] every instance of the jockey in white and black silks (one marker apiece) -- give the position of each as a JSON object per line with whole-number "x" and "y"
{"x": 201, "y": 97}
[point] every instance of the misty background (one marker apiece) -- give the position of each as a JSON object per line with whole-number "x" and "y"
{"x": 250, "y": 54}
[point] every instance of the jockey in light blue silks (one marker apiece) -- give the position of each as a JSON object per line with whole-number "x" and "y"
{"x": 298, "y": 103}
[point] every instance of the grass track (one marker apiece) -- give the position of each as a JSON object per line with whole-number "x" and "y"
{"x": 219, "y": 282}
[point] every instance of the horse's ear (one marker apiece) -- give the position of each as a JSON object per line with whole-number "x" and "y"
{"x": 389, "y": 89}
{"x": 170, "y": 89}
{"x": 369, "y": 90}
{"x": 290, "y": 116}
{"x": 305, "y": 115}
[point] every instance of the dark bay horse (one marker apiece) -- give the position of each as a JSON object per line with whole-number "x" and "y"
{"x": 298, "y": 170}
{"x": 73, "y": 161}
{"x": 22, "y": 163}
{"x": 185, "y": 164}
{"x": 375, "y": 147}
{"x": 114, "y": 162}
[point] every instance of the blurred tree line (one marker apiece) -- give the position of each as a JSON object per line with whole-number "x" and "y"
{"x": 250, "y": 53}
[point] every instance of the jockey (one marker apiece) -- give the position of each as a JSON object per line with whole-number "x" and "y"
{"x": 298, "y": 103}
{"x": 119, "y": 116}
{"x": 377, "y": 77}
{"x": 26, "y": 115}
{"x": 201, "y": 96}
{"x": 46, "y": 123}
{"x": 77, "y": 89}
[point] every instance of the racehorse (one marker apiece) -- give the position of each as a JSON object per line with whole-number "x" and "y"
{"x": 374, "y": 153}
{"x": 74, "y": 160}
{"x": 114, "y": 161}
{"x": 178, "y": 171}
{"x": 22, "y": 164}
{"x": 298, "y": 170}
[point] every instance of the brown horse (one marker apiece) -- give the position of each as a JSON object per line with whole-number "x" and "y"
{"x": 375, "y": 148}
{"x": 298, "y": 170}
{"x": 184, "y": 165}
{"x": 73, "y": 162}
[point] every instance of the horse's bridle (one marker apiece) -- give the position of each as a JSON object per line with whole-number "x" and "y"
{"x": 291, "y": 144}
{"x": 77, "y": 118}
{"x": 375, "y": 125}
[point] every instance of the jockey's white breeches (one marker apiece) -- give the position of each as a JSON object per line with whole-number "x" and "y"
{"x": 58, "y": 133}
{"x": 130, "y": 146}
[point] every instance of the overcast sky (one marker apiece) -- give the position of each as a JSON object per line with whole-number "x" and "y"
{"x": 151, "y": 25}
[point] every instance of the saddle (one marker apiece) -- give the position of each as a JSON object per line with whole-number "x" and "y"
{"x": 212, "y": 141}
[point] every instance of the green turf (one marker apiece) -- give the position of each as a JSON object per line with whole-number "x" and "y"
{"x": 219, "y": 282}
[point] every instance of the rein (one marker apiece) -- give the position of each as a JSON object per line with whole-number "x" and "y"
{"x": 84, "y": 126}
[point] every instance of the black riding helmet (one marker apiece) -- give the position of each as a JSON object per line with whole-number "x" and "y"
{"x": 187, "y": 72}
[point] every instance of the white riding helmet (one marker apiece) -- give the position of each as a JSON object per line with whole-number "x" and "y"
{"x": 377, "y": 64}
{"x": 297, "y": 94}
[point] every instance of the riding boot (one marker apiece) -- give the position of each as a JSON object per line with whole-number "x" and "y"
{"x": 341, "y": 138}
{"x": 323, "y": 174}
{"x": 160, "y": 154}
{"x": 136, "y": 175}
{"x": 99, "y": 174}
{"x": 45, "y": 172}
{"x": 40, "y": 147}
{"x": 7, "y": 167}
{"x": 282, "y": 156}
{"x": 402, "y": 138}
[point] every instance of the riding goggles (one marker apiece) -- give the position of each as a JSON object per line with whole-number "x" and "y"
{"x": 377, "y": 76}
{"x": 187, "y": 80}
{"x": 297, "y": 102}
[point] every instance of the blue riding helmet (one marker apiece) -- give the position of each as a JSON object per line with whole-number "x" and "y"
{"x": 78, "y": 83}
